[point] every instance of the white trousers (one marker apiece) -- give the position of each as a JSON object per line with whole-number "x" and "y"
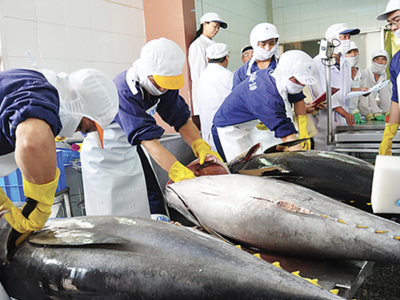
{"x": 238, "y": 138}
{"x": 113, "y": 177}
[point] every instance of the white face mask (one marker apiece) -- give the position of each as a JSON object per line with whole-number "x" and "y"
{"x": 378, "y": 68}
{"x": 344, "y": 46}
{"x": 293, "y": 88}
{"x": 353, "y": 60}
{"x": 150, "y": 88}
{"x": 262, "y": 54}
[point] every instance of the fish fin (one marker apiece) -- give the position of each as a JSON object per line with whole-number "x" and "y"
{"x": 283, "y": 147}
{"x": 257, "y": 255}
{"x": 245, "y": 156}
{"x": 75, "y": 237}
{"x": 277, "y": 264}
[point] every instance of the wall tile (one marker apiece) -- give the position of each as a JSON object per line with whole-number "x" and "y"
{"x": 103, "y": 46}
{"x": 278, "y": 16}
{"x": 122, "y": 19}
{"x": 21, "y": 63}
{"x": 327, "y": 8}
{"x": 124, "y": 45}
{"x": 79, "y": 44}
{"x": 291, "y": 14}
{"x": 23, "y": 9}
{"x": 324, "y": 24}
{"x": 101, "y": 15}
{"x": 75, "y": 65}
{"x": 77, "y": 13}
{"x": 123, "y": 2}
{"x": 310, "y": 30}
{"x": 109, "y": 69}
{"x": 56, "y": 65}
{"x": 50, "y": 11}
{"x": 20, "y": 37}
{"x": 292, "y": 32}
{"x": 277, "y": 3}
{"x": 138, "y": 22}
{"x": 137, "y": 4}
{"x": 52, "y": 41}
{"x": 367, "y": 21}
{"x": 308, "y": 11}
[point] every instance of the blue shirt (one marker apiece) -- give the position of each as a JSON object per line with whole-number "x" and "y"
{"x": 135, "y": 113}
{"x": 25, "y": 94}
{"x": 394, "y": 69}
{"x": 257, "y": 98}
{"x": 241, "y": 73}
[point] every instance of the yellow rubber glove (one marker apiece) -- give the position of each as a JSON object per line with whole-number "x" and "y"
{"x": 261, "y": 126}
{"x": 179, "y": 172}
{"x": 303, "y": 133}
{"x": 201, "y": 149}
{"x": 44, "y": 195}
{"x": 5, "y": 202}
{"x": 60, "y": 138}
{"x": 388, "y": 135}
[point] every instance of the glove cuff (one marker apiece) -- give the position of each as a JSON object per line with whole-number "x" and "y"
{"x": 178, "y": 172}
{"x": 377, "y": 114}
{"x": 369, "y": 117}
{"x": 392, "y": 128}
{"x": 42, "y": 193}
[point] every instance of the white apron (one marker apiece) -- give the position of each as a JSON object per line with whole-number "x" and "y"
{"x": 236, "y": 139}
{"x": 7, "y": 164}
{"x": 113, "y": 178}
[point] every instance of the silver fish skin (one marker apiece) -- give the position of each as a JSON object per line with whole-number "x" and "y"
{"x": 283, "y": 217}
{"x": 129, "y": 258}
{"x": 340, "y": 176}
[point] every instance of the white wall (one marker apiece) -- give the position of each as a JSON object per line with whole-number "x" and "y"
{"x": 241, "y": 16}
{"x": 67, "y": 35}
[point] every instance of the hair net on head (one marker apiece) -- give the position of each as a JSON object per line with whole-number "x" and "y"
{"x": 163, "y": 59}
{"x": 262, "y": 32}
{"x": 85, "y": 93}
{"x": 380, "y": 53}
{"x": 294, "y": 63}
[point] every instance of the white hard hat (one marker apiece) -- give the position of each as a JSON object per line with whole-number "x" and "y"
{"x": 164, "y": 60}
{"x": 213, "y": 17}
{"x": 392, "y": 6}
{"x": 85, "y": 93}
{"x": 262, "y": 32}
{"x": 340, "y": 28}
{"x": 353, "y": 46}
{"x": 217, "y": 50}
{"x": 380, "y": 53}
{"x": 298, "y": 64}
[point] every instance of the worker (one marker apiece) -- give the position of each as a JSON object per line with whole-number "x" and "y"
{"x": 374, "y": 75}
{"x": 210, "y": 23}
{"x": 246, "y": 53}
{"x": 357, "y": 81}
{"x": 34, "y": 110}
{"x": 215, "y": 84}
{"x": 264, "y": 96}
{"x": 119, "y": 180}
{"x": 392, "y": 15}
{"x": 264, "y": 40}
{"x": 340, "y": 78}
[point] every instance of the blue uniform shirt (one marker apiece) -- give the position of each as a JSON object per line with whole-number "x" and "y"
{"x": 135, "y": 113}
{"x": 257, "y": 98}
{"x": 240, "y": 74}
{"x": 25, "y": 94}
{"x": 394, "y": 69}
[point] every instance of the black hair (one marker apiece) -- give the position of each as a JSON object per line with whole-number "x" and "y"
{"x": 217, "y": 60}
{"x": 199, "y": 32}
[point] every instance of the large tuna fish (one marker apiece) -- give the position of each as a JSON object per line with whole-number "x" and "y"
{"x": 336, "y": 175}
{"x": 284, "y": 217}
{"x": 129, "y": 258}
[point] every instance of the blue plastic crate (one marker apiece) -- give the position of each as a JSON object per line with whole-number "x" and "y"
{"x": 13, "y": 185}
{"x": 68, "y": 156}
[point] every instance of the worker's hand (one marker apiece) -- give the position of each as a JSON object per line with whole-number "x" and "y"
{"x": 201, "y": 149}
{"x": 386, "y": 144}
{"x": 349, "y": 119}
{"x": 303, "y": 133}
{"x": 5, "y": 203}
{"x": 357, "y": 119}
{"x": 309, "y": 108}
{"x": 379, "y": 117}
{"x": 43, "y": 196}
{"x": 369, "y": 117}
{"x": 261, "y": 126}
{"x": 179, "y": 172}
{"x": 320, "y": 106}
